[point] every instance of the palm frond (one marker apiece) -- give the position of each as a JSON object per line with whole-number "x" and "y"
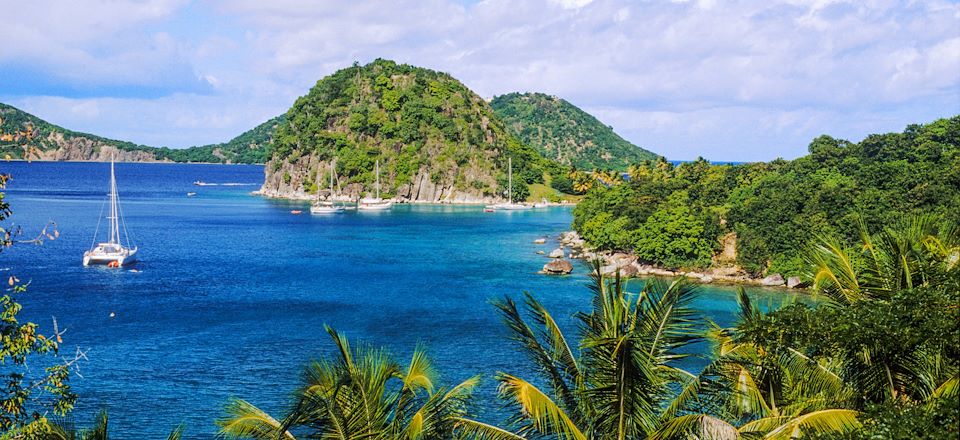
{"x": 697, "y": 426}
{"x": 246, "y": 421}
{"x": 543, "y": 413}
{"x": 474, "y": 430}
{"x": 177, "y": 433}
{"x": 824, "y": 421}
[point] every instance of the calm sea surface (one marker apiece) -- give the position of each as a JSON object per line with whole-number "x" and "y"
{"x": 232, "y": 290}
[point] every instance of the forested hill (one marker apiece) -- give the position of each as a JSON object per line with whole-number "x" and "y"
{"x": 435, "y": 139}
{"x": 562, "y": 131}
{"x": 29, "y": 137}
{"x": 677, "y": 215}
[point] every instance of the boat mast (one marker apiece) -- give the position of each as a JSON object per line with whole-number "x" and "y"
{"x": 378, "y": 179}
{"x": 510, "y": 180}
{"x": 114, "y": 211}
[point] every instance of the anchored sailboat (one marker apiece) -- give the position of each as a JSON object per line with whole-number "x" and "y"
{"x": 322, "y": 206}
{"x": 510, "y": 205}
{"x": 113, "y": 253}
{"x": 375, "y": 204}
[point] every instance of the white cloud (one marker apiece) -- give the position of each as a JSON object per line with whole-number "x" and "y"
{"x": 750, "y": 76}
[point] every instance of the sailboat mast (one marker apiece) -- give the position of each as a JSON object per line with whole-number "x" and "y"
{"x": 510, "y": 179}
{"x": 378, "y": 179}
{"x": 114, "y": 211}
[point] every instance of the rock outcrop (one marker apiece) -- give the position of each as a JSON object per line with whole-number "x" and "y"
{"x": 558, "y": 267}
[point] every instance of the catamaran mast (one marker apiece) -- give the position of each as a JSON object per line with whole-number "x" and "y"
{"x": 114, "y": 210}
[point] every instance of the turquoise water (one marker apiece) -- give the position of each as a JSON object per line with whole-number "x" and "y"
{"x": 232, "y": 290}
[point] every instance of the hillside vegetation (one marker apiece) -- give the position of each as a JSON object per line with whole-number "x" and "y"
{"x": 676, "y": 215}
{"x": 435, "y": 139}
{"x": 563, "y": 132}
{"x": 29, "y": 137}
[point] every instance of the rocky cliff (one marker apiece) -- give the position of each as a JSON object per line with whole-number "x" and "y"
{"x": 25, "y": 136}
{"x": 435, "y": 140}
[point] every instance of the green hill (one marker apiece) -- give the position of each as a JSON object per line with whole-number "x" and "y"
{"x": 51, "y": 142}
{"x": 435, "y": 139}
{"x": 562, "y": 131}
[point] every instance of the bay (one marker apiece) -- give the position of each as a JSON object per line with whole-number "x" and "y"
{"x": 232, "y": 292}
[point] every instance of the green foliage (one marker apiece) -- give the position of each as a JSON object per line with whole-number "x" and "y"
{"x": 937, "y": 420}
{"x": 778, "y": 208}
{"x": 412, "y": 120}
{"x": 563, "y": 132}
{"x": 673, "y": 236}
{"x": 361, "y": 392}
{"x": 617, "y": 377}
{"x": 608, "y": 232}
{"x": 35, "y": 379}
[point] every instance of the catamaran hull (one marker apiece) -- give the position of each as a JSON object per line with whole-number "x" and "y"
{"x": 109, "y": 259}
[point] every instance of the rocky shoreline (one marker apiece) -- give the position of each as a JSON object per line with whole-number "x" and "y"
{"x": 572, "y": 246}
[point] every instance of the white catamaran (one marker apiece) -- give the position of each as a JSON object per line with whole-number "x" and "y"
{"x": 375, "y": 204}
{"x": 509, "y": 205}
{"x": 111, "y": 253}
{"x": 326, "y": 207}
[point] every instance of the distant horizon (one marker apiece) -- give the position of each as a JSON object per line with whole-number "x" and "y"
{"x": 747, "y": 82}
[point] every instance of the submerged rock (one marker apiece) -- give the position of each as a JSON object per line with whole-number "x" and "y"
{"x": 772, "y": 280}
{"x": 558, "y": 267}
{"x": 556, "y": 253}
{"x": 540, "y": 241}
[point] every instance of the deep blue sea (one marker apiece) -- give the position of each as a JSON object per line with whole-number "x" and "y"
{"x": 232, "y": 291}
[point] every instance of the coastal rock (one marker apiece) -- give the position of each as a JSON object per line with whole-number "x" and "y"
{"x": 706, "y": 279}
{"x": 772, "y": 280}
{"x": 558, "y": 267}
{"x": 662, "y": 272}
{"x": 608, "y": 270}
{"x": 540, "y": 241}
{"x": 556, "y": 253}
{"x": 795, "y": 283}
{"x": 620, "y": 259}
{"x": 541, "y": 253}
{"x": 628, "y": 271}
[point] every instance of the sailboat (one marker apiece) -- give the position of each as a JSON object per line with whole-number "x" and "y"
{"x": 112, "y": 253}
{"x": 375, "y": 204}
{"x": 509, "y": 205}
{"x": 326, "y": 207}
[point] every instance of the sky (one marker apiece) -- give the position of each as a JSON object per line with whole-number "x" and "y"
{"x": 738, "y": 80}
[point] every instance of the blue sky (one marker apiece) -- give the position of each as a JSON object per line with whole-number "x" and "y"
{"x": 738, "y": 80}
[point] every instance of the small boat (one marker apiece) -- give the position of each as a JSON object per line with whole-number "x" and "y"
{"x": 296, "y": 212}
{"x": 509, "y": 205}
{"x": 112, "y": 253}
{"x": 489, "y": 210}
{"x": 191, "y": 194}
{"x": 376, "y": 203}
{"x": 322, "y": 206}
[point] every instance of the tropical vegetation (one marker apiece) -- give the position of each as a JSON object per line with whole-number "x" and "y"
{"x": 418, "y": 123}
{"x": 676, "y": 215}
{"x": 361, "y": 393}
{"x": 563, "y": 132}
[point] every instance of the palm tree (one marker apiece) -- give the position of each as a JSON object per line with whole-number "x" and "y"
{"x": 777, "y": 391}
{"x": 915, "y": 252}
{"x": 361, "y": 394}
{"x": 615, "y": 383}
{"x": 66, "y": 430}
{"x": 773, "y": 392}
